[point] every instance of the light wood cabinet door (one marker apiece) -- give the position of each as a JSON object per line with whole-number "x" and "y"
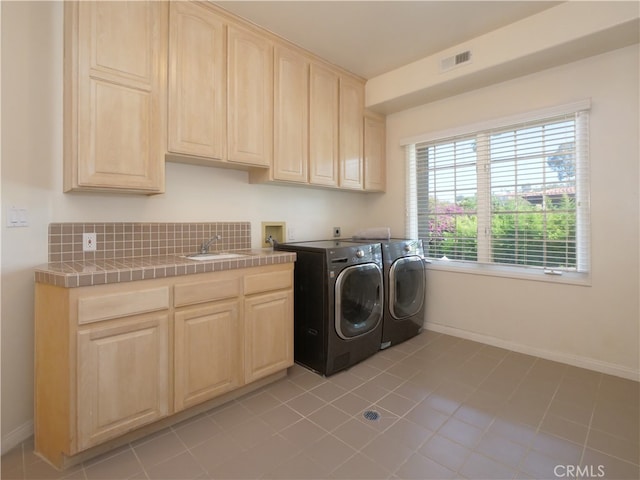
{"x": 249, "y": 98}
{"x": 123, "y": 376}
{"x": 268, "y": 334}
{"x": 374, "y": 153}
{"x": 323, "y": 126}
{"x": 114, "y": 115}
{"x": 291, "y": 116}
{"x": 351, "y": 133}
{"x": 197, "y": 82}
{"x": 208, "y": 352}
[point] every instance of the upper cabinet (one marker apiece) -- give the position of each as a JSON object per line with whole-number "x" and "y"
{"x": 114, "y": 96}
{"x": 351, "y": 134}
{"x": 290, "y": 116}
{"x": 190, "y": 80}
{"x": 197, "y": 82}
{"x": 324, "y": 86}
{"x": 375, "y": 174}
{"x": 220, "y": 90}
{"x": 249, "y": 98}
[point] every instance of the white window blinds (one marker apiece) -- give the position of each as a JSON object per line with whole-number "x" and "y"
{"x": 512, "y": 194}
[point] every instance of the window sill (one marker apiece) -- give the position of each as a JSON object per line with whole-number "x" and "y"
{"x": 517, "y": 273}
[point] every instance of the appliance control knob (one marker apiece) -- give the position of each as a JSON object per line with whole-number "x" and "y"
{"x": 359, "y": 253}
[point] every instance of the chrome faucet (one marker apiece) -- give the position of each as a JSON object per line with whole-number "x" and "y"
{"x": 204, "y": 246}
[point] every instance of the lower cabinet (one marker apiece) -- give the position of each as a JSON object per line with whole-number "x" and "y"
{"x": 110, "y": 359}
{"x": 268, "y": 334}
{"x": 208, "y": 352}
{"x": 123, "y": 376}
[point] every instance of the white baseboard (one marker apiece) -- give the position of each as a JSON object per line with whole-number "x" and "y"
{"x": 576, "y": 361}
{"x": 17, "y": 436}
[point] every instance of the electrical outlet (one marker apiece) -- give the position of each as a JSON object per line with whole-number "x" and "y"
{"x": 336, "y": 232}
{"x": 89, "y": 242}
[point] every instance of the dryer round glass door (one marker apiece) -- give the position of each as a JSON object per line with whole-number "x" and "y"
{"x": 406, "y": 287}
{"x": 358, "y": 300}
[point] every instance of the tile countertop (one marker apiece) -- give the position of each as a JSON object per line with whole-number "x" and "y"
{"x": 117, "y": 270}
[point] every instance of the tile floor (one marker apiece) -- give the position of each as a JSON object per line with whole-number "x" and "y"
{"x": 448, "y": 408}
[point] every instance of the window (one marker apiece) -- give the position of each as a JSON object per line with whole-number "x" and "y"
{"x": 510, "y": 196}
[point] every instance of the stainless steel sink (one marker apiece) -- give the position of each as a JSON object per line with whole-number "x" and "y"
{"x": 214, "y": 256}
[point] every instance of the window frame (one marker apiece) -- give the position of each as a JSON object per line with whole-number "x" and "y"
{"x": 582, "y": 275}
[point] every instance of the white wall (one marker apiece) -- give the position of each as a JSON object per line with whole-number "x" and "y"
{"x": 32, "y": 178}
{"x": 596, "y": 326}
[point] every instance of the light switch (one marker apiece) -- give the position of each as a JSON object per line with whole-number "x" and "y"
{"x": 17, "y": 217}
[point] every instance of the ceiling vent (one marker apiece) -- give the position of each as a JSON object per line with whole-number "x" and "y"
{"x": 454, "y": 61}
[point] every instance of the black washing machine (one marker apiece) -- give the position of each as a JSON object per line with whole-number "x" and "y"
{"x": 405, "y": 289}
{"x": 338, "y": 302}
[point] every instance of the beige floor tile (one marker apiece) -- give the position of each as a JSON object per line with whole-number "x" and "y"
{"x": 446, "y": 452}
{"x": 514, "y": 431}
{"x": 308, "y": 380}
{"x": 328, "y": 391}
{"x": 329, "y": 450}
{"x": 284, "y": 390}
{"x": 621, "y": 420}
{"x": 197, "y": 430}
{"x": 345, "y": 379}
{"x": 409, "y": 433}
{"x": 351, "y": 403}
{"x": 300, "y": 467}
{"x": 216, "y": 450}
{"x": 479, "y": 466}
{"x": 280, "y": 417}
{"x": 249, "y": 434}
{"x": 613, "y": 468}
{"x": 427, "y": 416}
{"x": 413, "y": 391}
{"x": 475, "y": 416}
{"x": 360, "y": 467}
{"x": 501, "y": 449}
{"x": 329, "y": 417}
{"x": 461, "y": 432}
{"x": 387, "y": 452}
{"x": 182, "y": 466}
{"x": 540, "y": 466}
{"x": 303, "y": 433}
{"x": 260, "y": 402}
{"x": 570, "y": 411}
{"x": 355, "y": 433}
{"x": 615, "y": 446}
{"x": 231, "y": 416}
{"x": 11, "y": 465}
{"x": 388, "y": 381}
{"x": 396, "y": 404}
{"x": 364, "y": 371}
{"x": 420, "y": 467}
{"x": 370, "y": 391}
{"x": 558, "y": 448}
{"x": 123, "y": 465}
{"x": 563, "y": 428}
{"x": 159, "y": 449}
{"x": 306, "y": 403}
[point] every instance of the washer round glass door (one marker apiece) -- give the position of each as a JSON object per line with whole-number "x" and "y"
{"x": 406, "y": 287}
{"x": 358, "y": 300}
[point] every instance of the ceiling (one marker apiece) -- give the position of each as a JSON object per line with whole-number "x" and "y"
{"x": 369, "y": 38}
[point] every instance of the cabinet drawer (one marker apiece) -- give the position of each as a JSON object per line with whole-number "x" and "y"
{"x": 122, "y": 304}
{"x": 264, "y": 282}
{"x": 199, "y": 292}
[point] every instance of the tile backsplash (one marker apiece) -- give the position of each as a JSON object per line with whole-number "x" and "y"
{"x": 130, "y": 240}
